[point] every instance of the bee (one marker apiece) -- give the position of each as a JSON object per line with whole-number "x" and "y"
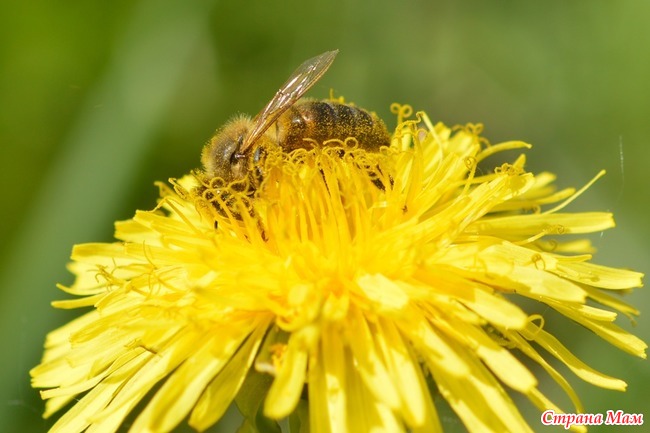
{"x": 290, "y": 123}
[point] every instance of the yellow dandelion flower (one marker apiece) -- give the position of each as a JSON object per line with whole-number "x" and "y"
{"x": 347, "y": 287}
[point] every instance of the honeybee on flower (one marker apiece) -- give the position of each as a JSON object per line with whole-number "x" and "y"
{"x": 295, "y": 286}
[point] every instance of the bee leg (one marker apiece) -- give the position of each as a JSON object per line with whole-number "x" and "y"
{"x": 260, "y": 227}
{"x": 376, "y": 177}
{"x": 256, "y": 175}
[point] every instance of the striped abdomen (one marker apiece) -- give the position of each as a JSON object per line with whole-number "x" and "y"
{"x": 309, "y": 122}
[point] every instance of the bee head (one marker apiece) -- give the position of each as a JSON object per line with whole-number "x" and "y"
{"x": 221, "y": 157}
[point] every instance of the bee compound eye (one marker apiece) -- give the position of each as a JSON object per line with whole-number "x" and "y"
{"x": 259, "y": 155}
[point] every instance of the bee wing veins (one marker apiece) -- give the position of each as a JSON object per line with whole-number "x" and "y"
{"x": 297, "y": 85}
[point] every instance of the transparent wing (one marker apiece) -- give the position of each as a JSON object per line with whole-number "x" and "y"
{"x": 298, "y": 83}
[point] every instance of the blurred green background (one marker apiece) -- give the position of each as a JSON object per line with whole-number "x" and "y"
{"x": 99, "y": 99}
